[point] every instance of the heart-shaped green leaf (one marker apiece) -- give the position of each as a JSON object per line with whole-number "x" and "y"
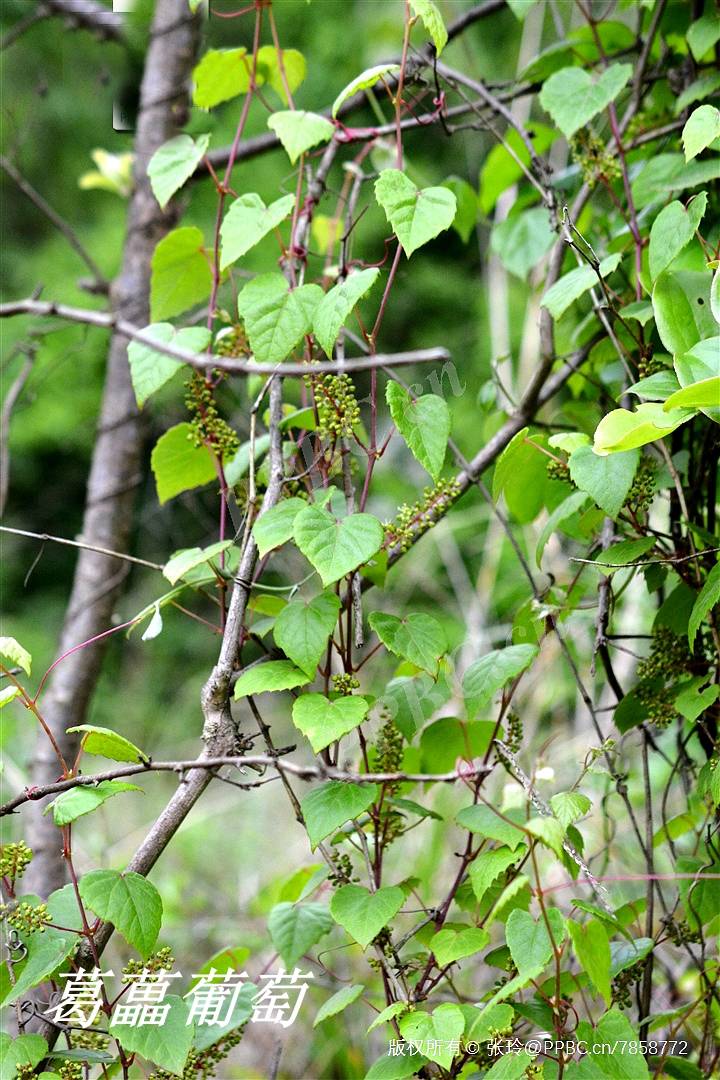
{"x": 324, "y": 721}
{"x": 167, "y": 1044}
{"x": 573, "y": 97}
{"x": 173, "y": 163}
{"x": 294, "y": 928}
{"x": 149, "y": 370}
{"x": 273, "y": 675}
{"x": 435, "y": 1033}
{"x": 336, "y": 547}
{"x": 129, "y": 901}
{"x": 247, "y": 221}
{"x": 328, "y": 807}
{"x": 303, "y": 627}
{"x": 275, "y": 526}
{"x": 107, "y": 743}
{"x": 337, "y": 304}
{"x": 70, "y": 805}
{"x": 275, "y": 317}
{"x": 298, "y": 130}
{"x": 423, "y": 423}
{"x": 417, "y": 637}
{"x": 490, "y": 673}
{"x": 362, "y": 913}
{"x": 180, "y": 273}
{"x": 450, "y": 945}
{"x": 672, "y": 230}
{"x": 416, "y": 215}
{"x": 528, "y": 939}
{"x": 606, "y": 479}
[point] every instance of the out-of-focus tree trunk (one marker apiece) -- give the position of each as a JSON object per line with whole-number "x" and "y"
{"x": 116, "y": 460}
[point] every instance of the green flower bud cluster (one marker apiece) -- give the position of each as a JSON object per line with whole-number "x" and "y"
{"x": 389, "y": 748}
{"x": 231, "y": 341}
{"x": 343, "y": 869}
{"x": 86, "y": 1039}
{"x": 14, "y": 859}
{"x": 26, "y": 918}
{"x": 659, "y": 703}
{"x": 384, "y": 941}
{"x": 623, "y": 983}
{"x": 24, "y": 1072}
{"x": 345, "y": 684}
{"x": 650, "y": 365}
{"x": 595, "y": 161}
{"x": 679, "y": 931}
{"x": 71, "y": 1070}
{"x": 207, "y": 426}
{"x": 338, "y": 410}
{"x": 642, "y": 489}
{"x": 201, "y": 1065}
{"x": 668, "y": 657}
{"x": 161, "y": 960}
{"x": 514, "y": 732}
{"x": 558, "y": 470}
{"x": 413, "y": 521}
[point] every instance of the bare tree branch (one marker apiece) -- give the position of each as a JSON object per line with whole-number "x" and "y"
{"x": 319, "y": 771}
{"x": 207, "y": 361}
{"x": 89, "y": 15}
{"x": 80, "y": 544}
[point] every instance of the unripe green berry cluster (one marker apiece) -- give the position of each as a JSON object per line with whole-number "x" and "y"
{"x": 595, "y": 161}
{"x": 232, "y": 342}
{"x": 413, "y": 521}
{"x": 623, "y": 983}
{"x": 650, "y": 365}
{"x": 679, "y": 931}
{"x": 14, "y": 859}
{"x": 342, "y": 871}
{"x": 659, "y": 704}
{"x": 25, "y": 917}
{"x": 642, "y": 489}
{"x": 389, "y": 748}
{"x": 514, "y": 733}
{"x": 202, "y": 1064}
{"x": 161, "y": 960}
{"x": 345, "y": 684}
{"x": 337, "y": 407}
{"x": 558, "y": 470}
{"x": 207, "y": 427}
{"x": 668, "y": 657}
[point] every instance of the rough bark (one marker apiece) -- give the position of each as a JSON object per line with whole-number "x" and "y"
{"x": 116, "y": 460}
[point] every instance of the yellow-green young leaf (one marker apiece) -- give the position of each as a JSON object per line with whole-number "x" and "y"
{"x": 8, "y": 694}
{"x": 672, "y": 230}
{"x": 570, "y": 806}
{"x": 167, "y": 1044}
{"x": 326, "y": 808}
{"x": 323, "y": 721}
{"x": 571, "y": 286}
{"x": 129, "y": 901}
{"x": 507, "y": 830}
{"x": 416, "y": 637}
{"x": 592, "y": 949}
{"x": 338, "y": 1002}
{"x": 336, "y": 547}
{"x": 46, "y": 953}
{"x": 432, "y": 20}
{"x": 607, "y": 479}
{"x": 70, "y": 805}
{"x": 104, "y": 742}
{"x": 247, "y": 221}
{"x": 703, "y": 34}
{"x": 415, "y": 215}
{"x": 362, "y": 913}
{"x": 182, "y": 562}
{"x": 492, "y": 672}
{"x": 387, "y": 1015}
{"x": 276, "y": 318}
{"x": 222, "y": 74}
{"x": 528, "y": 939}
{"x": 338, "y": 302}
{"x": 364, "y": 81}
{"x": 573, "y": 97}
{"x": 424, "y": 423}
{"x": 180, "y": 274}
{"x": 681, "y": 302}
{"x": 14, "y": 654}
{"x": 178, "y": 465}
{"x": 625, "y": 430}
{"x": 701, "y": 129}
{"x": 299, "y": 130}
{"x": 707, "y": 598}
{"x": 149, "y": 370}
{"x": 435, "y": 1032}
{"x": 173, "y": 163}
{"x": 275, "y": 526}
{"x": 273, "y": 675}
{"x": 449, "y": 945}
{"x": 549, "y": 832}
{"x": 705, "y": 393}
{"x": 303, "y": 628}
{"x": 295, "y": 928}
{"x": 278, "y": 69}
{"x": 701, "y": 363}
